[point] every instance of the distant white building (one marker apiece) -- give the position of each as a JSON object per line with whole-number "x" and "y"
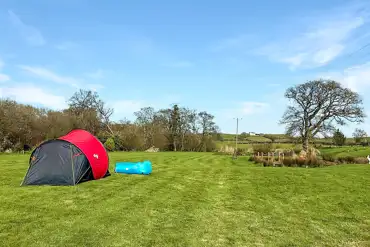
{"x": 252, "y": 133}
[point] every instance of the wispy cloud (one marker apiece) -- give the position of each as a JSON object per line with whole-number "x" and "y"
{"x": 95, "y": 87}
{"x": 323, "y": 38}
{"x": 179, "y": 64}
{"x": 3, "y": 77}
{"x": 126, "y": 108}
{"x": 249, "y": 108}
{"x": 31, "y": 34}
{"x": 30, "y": 94}
{"x": 51, "y": 76}
{"x": 243, "y": 109}
{"x": 356, "y": 77}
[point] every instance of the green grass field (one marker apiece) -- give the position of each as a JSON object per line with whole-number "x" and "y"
{"x": 249, "y": 145}
{"x": 282, "y": 139}
{"x": 347, "y": 151}
{"x": 191, "y": 199}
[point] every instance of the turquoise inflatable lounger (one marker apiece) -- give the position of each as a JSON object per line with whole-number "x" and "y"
{"x": 144, "y": 167}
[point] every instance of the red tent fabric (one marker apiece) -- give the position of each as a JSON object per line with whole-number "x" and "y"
{"x": 92, "y": 148}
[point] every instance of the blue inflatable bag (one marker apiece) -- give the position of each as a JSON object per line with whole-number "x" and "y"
{"x": 144, "y": 167}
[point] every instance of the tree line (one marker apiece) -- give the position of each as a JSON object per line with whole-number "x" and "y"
{"x": 174, "y": 128}
{"x": 316, "y": 107}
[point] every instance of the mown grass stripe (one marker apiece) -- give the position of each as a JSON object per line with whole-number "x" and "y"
{"x": 190, "y": 199}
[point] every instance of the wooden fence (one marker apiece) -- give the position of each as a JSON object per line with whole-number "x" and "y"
{"x": 279, "y": 156}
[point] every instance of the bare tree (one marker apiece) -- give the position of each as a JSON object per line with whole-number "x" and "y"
{"x": 145, "y": 119}
{"x": 186, "y": 116}
{"x": 208, "y": 126}
{"x": 175, "y": 125}
{"x": 85, "y": 101}
{"x": 173, "y": 128}
{"x": 359, "y": 135}
{"x": 316, "y": 106}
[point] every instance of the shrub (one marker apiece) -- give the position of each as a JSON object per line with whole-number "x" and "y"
{"x": 240, "y": 151}
{"x": 109, "y": 144}
{"x": 294, "y": 164}
{"x": 346, "y": 159}
{"x": 338, "y": 138}
{"x": 289, "y": 161}
{"x": 361, "y": 160}
{"x": 278, "y": 146}
{"x": 329, "y": 157}
{"x": 301, "y": 162}
{"x": 318, "y": 146}
{"x": 118, "y": 143}
{"x": 329, "y": 163}
{"x": 313, "y": 162}
{"x": 262, "y": 148}
{"x": 297, "y": 149}
{"x": 17, "y": 147}
{"x": 268, "y": 163}
{"x": 259, "y": 160}
{"x": 227, "y": 149}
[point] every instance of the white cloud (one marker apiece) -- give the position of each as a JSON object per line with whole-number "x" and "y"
{"x": 124, "y": 109}
{"x": 95, "y": 87}
{"x": 51, "y": 76}
{"x": 4, "y": 77}
{"x": 127, "y": 106}
{"x": 249, "y": 108}
{"x": 242, "y": 109}
{"x": 356, "y": 78}
{"x": 326, "y": 55}
{"x": 323, "y": 38}
{"x": 30, "y": 94}
{"x": 32, "y": 35}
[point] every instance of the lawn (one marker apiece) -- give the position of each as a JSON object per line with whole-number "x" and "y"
{"x": 191, "y": 199}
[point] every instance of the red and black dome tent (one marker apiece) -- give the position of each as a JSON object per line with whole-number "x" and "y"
{"x": 68, "y": 160}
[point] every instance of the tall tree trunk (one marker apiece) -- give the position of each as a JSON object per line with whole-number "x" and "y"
{"x": 305, "y": 143}
{"x": 182, "y": 141}
{"x": 174, "y": 145}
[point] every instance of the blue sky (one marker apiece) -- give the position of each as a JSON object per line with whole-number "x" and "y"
{"x": 230, "y": 58}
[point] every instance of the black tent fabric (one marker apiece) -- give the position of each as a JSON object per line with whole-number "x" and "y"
{"x": 58, "y": 162}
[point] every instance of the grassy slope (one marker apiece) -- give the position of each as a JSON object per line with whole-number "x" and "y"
{"x": 245, "y": 145}
{"x": 191, "y": 199}
{"x": 358, "y": 151}
{"x": 282, "y": 138}
{"x": 347, "y": 151}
